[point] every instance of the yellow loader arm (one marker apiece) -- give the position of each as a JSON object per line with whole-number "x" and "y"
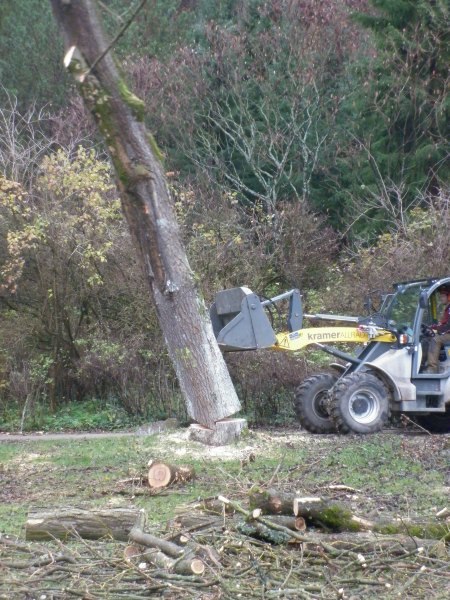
{"x": 240, "y": 322}
{"x": 297, "y": 340}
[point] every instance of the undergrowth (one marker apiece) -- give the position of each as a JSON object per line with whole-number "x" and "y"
{"x": 84, "y": 416}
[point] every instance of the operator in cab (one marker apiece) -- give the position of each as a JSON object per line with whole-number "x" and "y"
{"x": 441, "y": 333}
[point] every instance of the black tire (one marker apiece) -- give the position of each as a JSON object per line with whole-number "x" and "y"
{"x": 359, "y": 403}
{"x": 311, "y": 400}
{"x": 436, "y": 422}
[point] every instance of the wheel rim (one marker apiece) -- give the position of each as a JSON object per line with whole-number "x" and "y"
{"x": 364, "y": 406}
{"x": 319, "y": 405}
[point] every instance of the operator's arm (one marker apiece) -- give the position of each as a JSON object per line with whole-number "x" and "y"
{"x": 444, "y": 325}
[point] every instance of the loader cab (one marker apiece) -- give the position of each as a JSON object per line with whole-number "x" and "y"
{"x": 432, "y": 307}
{"x": 413, "y": 307}
{"x": 401, "y": 311}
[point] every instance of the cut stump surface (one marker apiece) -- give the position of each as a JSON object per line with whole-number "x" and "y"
{"x": 225, "y": 432}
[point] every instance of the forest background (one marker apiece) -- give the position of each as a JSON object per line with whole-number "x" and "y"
{"x": 306, "y": 145}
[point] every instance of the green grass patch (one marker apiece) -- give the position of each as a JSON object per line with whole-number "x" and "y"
{"x": 120, "y": 452}
{"x": 9, "y": 451}
{"x": 12, "y": 519}
{"x": 87, "y": 472}
{"x": 379, "y": 465}
{"x": 89, "y": 415}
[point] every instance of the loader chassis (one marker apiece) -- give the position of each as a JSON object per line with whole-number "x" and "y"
{"x": 384, "y": 376}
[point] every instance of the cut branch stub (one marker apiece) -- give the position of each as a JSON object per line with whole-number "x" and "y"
{"x": 293, "y": 523}
{"x": 189, "y": 566}
{"x": 161, "y": 474}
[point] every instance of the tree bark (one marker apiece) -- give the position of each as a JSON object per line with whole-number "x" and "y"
{"x": 261, "y": 531}
{"x": 272, "y": 502}
{"x": 337, "y": 517}
{"x": 293, "y": 523}
{"x": 89, "y": 524}
{"x": 147, "y": 539}
{"x": 186, "y": 566}
{"x": 315, "y": 510}
{"x": 202, "y": 374}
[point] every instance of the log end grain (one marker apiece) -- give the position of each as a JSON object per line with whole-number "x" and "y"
{"x": 160, "y": 475}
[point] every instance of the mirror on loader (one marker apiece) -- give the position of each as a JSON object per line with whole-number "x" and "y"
{"x": 423, "y": 300}
{"x": 374, "y": 301}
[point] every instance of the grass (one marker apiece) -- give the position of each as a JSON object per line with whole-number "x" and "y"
{"x": 387, "y": 467}
{"x": 394, "y": 474}
{"x": 12, "y": 518}
{"x": 406, "y": 478}
{"x": 8, "y": 451}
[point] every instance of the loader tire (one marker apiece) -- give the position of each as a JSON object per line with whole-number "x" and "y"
{"x": 359, "y": 403}
{"x": 311, "y": 400}
{"x": 435, "y": 423}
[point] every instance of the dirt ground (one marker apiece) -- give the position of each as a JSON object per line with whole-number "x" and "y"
{"x": 421, "y": 453}
{"x": 399, "y": 475}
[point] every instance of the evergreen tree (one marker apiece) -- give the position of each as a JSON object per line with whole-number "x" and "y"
{"x": 31, "y": 66}
{"x": 270, "y": 80}
{"x": 397, "y": 118}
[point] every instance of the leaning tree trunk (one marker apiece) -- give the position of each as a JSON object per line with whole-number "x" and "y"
{"x": 204, "y": 380}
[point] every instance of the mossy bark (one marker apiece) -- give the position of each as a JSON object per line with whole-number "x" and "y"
{"x": 148, "y": 207}
{"x": 262, "y": 532}
{"x": 432, "y": 530}
{"x": 336, "y": 517}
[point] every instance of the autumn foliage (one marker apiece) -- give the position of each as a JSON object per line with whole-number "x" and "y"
{"x": 305, "y": 146}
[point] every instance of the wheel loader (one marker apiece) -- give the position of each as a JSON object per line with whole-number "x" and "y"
{"x": 384, "y": 375}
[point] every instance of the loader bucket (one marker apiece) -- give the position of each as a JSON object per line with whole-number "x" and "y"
{"x": 240, "y": 322}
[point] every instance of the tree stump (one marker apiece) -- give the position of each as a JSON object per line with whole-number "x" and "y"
{"x": 224, "y": 432}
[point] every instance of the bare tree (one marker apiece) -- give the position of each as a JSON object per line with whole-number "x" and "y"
{"x": 271, "y": 147}
{"x": 23, "y": 142}
{"x": 146, "y": 202}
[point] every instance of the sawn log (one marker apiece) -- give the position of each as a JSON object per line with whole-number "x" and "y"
{"x": 92, "y": 524}
{"x": 162, "y": 474}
